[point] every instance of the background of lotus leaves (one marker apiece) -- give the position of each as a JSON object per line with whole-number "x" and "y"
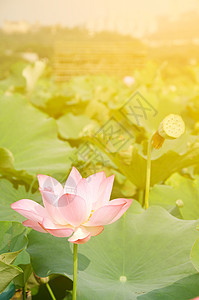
{"x": 44, "y": 130}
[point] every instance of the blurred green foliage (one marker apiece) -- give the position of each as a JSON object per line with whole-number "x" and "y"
{"x": 88, "y": 122}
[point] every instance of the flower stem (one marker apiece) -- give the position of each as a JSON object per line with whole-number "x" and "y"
{"x": 50, "y": 291}
{"x": 24, "y": 291}
{"x": 140, "y": 197}
{"x": 74, "y": 271}
{"x": 148, "y": 174}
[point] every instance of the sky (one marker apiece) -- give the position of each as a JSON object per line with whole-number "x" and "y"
{"x": 127, "y": 16}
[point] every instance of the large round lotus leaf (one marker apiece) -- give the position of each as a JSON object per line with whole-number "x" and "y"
{"x": 138, "y": 254}
{"x": 181, "y": 191}
{"x": 8, "y": 195}
{"x": 31, "y": 136}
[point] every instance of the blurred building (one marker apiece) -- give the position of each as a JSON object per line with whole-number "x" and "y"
{"x": 16, "y": 27}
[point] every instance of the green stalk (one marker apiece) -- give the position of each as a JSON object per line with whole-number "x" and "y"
{"x": 74, "y": 271}
{"x": 50, "y": 291}
{"x": 24, "y": 291}
{"x": 140, "y": 197}
{"x": 148, "y": 174}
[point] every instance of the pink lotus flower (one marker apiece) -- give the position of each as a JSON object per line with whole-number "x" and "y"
{"x": 81, "y": 208}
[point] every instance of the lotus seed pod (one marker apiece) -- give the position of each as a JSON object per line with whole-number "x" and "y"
{"x": 179, "y": 203}
{"x": 172, "y": 127}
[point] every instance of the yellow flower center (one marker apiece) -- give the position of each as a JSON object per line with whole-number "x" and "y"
{"x": 92, "y": 211}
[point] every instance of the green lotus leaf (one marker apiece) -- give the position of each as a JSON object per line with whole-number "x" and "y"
{"x": 138, "y": 254}
{"x": 22, "y": 278}
{"x": 12, "y": 252}
{"x": 8, "y": 293}
{"x": 179, "y": 191}
{"x": 8, "y": 170}
{"x": 15, "y": 80}
{"x": 76, "y": 123}
{"x": 59, "y": 260}
{"x": 186, "y": 154}
{"x": 8, "y": 195}
{"x": 6, "y": 159}
{"x": 179, "y": 290}
{"x": 7, "y": 274}
{"x": 31, "y": 136}
{"x": 12, "y": 240}
{"x": 22, "y": 261}
{"x": 195, "y": 254}
{"x": 161, "y": 167}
